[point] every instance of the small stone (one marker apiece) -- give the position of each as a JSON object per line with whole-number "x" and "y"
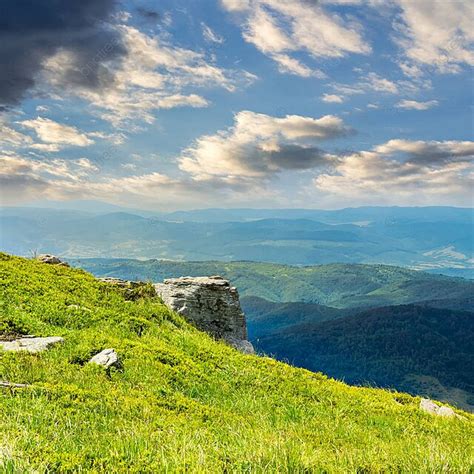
{"x": 106, "y": 358}
{"x": 30, "y": 344}
{"x": 429, "y": 406}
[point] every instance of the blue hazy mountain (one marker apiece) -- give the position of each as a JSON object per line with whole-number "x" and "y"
{"x": 438, "y": 239}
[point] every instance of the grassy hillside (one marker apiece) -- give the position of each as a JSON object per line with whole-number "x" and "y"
{"x": 337, "y": 285}
{"x": 183, "y": 402}
{"x": 392, "y": 347}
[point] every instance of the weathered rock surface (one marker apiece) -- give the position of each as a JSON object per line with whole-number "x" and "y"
{"x": 106, "y": 358}
{"x": 429, "y": 406}
{"x": 211, "y": 304}
{"x": 30, "y": 343}
{"x": 242, "y": 345}
{"x": 51, "y": 259}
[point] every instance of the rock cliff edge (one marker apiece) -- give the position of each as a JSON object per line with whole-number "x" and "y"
{"x": 211, "y": 304}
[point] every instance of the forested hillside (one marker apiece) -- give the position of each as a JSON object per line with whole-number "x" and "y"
{"x": 336, "y": 285}
{"x": 393, "y": 346}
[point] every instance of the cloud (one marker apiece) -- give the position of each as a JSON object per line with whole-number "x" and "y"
{"x": 152, "y": 75}
{"x": 415, "y": 105}
{"x": 85, "y": 50}
{"x": 403, "y": 172}
{"x": 210, "y": 35}
{"x": 279, "y": 28}
{"x": 148, "y": 15}
{"x": 259, "y": 146}
{"x": 372, "y": 82}
{"x": 332, "y": 98}
{"x": 11, "y": 138}
{"x": 22, "y": 179}
{"x": 26, "y": 179}
{"x": 380, "y": 84}
{"x": 287, "y": 64}
{"x": 54, "y": 133}
{"x": 236, "y": 5}
{"x": 29, "y": 36}
{"x": 436, "y": 34}
{"x": 428, "y": 151}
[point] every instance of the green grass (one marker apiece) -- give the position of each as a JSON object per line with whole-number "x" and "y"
{"x": 186, "y": 403}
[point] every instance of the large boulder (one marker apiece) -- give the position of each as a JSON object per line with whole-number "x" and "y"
{"x": 211, "y": 304}
{"x": 30, "y": 344}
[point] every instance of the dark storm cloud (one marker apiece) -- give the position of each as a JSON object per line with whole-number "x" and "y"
{"x": 149, "y": 15}
{"x": 33, "y": 30}
{"x": 295, "y": 157}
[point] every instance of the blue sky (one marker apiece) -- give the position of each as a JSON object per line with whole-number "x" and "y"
{"x": 229, "y": 103}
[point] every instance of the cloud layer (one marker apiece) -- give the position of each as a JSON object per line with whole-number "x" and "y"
{"x": 259, "y": 146}
{"x": 403, "y": 172}
{"x": 31, "y": 32}
{"x": 281, "y": 28}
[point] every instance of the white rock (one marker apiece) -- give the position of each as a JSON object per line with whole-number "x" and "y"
{"x": 429, "y": 406}
{"x": 106, "y": 358}
{"x": 446, "y": 411}
{"x": 30, "y": 344}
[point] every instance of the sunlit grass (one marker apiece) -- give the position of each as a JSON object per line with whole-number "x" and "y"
{"x": 183, "y": 402}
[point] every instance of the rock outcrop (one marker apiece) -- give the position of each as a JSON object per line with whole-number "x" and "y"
{"x": 51, "y": 259}
{"x": 30, "y": 344}
{"x": 429, "y": 406}
{"x": 211, "y": 304}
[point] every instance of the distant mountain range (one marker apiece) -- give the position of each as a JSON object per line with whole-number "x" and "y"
{"x": 436, "y": 239}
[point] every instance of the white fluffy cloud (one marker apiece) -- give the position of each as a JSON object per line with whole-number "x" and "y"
{"x": 152, "y": 75}
{"x": 55, "y": 134}
{"x": 436, "y": 33}
{"x": 332, "y": 98}
{"x": 416, "y": 105}
{"x": 278, "y": 28}
{"x": 403, "y": 172}
{"x": 259, "y": 146}
{"x": 25, "y": 179}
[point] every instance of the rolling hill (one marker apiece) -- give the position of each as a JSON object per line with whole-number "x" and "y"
{"x": 336, "y": 285}
{"x": 393, "y": 346}
{"x": 183, "y": 402}
{"x": 433, "y": 239}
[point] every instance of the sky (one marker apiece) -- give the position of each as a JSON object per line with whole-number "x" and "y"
{"x": 184, "y": 104}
